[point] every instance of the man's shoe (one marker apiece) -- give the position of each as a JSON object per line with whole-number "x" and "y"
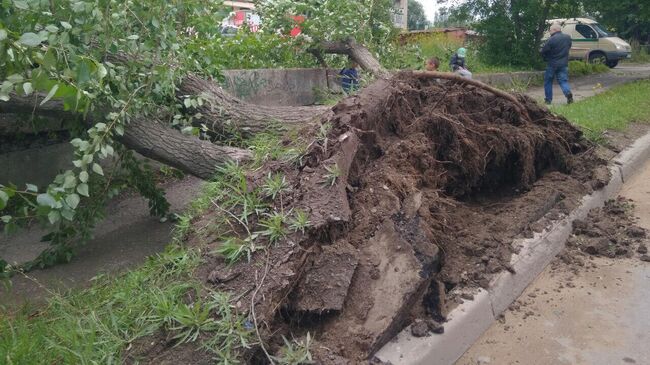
{"x": 547, "y": 102}
{"x": 569, "y": 98}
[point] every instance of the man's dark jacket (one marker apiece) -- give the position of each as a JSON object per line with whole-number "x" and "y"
{"x": 556, "y": 50}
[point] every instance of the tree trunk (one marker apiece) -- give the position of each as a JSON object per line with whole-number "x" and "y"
{"x": 223, "y": 113}
{"x": 159, "y": 142}
{"x": 152, "y": 139}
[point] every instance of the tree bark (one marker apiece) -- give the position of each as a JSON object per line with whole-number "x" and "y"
{"x": 151, "y": 138}
{"x": 224, "y": 113}
{"x": 159, "y": 142}
{"x": 357, "y": 52}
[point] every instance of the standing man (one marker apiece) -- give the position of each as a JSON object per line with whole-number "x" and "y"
{"x": 556, "y": 54}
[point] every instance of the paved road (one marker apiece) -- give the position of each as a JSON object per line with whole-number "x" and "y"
{"x": 584, "y": 87}
{"x": 603, "y": 319}
{"x": 124, "y": 239}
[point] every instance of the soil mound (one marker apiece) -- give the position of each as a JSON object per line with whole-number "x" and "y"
{"x": 405, "y": 196}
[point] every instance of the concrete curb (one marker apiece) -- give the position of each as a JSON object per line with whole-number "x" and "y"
{"x": 468, "y": 321}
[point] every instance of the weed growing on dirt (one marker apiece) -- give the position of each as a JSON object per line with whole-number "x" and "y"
{"x": 295, "y": 352}
{"x": 98, "y": 324}
{"x": 333, "y": 173}
{"x": 274, "y": 225}
{"x": 300, "y": 221}
{"x": 233, "y": 249}
{"x": 274, "y": 185}
{"x": 613, "y": 109}
{"x": 193, "y": 319}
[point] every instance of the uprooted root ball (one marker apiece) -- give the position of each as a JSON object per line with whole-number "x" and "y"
{"x": 383, "y": 191}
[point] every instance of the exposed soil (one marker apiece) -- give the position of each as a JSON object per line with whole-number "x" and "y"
{"x": 610, "y": 231}
{"x": 436, "y": 179}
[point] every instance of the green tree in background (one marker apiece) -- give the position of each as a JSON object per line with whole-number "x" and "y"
{"x": 512, "y": 29}
{"x": 416, "y": 18}
{"x": 629, "y": 18}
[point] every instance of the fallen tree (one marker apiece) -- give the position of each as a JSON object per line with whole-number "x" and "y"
{"x": 142, "y": 81}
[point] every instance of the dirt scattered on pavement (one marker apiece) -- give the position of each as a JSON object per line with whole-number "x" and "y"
{"x": 610, "y": 231}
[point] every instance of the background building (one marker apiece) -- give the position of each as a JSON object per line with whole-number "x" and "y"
{"x": 400, "y": 14}
{"x": 240, "y": 5}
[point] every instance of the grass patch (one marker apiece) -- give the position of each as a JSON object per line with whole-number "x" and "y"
{"x": 96, "y": 325}
{"x": 613, "y": 109}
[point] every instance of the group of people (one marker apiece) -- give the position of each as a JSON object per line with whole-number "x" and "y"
{"x": 555, "y": 52}
{"x": 457, "y": 64}
{"x": 350, "y": 76}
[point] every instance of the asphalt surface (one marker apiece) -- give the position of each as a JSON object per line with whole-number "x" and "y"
{"x": 124, "y": 239}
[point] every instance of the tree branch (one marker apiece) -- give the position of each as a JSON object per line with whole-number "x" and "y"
{"x": 355, "y": 51}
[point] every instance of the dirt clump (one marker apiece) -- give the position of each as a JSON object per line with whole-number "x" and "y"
{"x": 610, "y": 231}
{"x": 418, "y": 187}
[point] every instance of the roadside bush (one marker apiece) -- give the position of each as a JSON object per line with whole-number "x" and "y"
{"x": 640, "y": 53}
{"x": 582, "y": 68}
{"x": 413, "y": 54}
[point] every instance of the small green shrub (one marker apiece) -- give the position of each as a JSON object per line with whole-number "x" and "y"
{"x": 640, "y": 53}
{"x": 582, "y": 68}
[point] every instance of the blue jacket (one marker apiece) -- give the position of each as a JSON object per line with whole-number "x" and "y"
{"x": 556, "y": 50}
{"x": 349, "y": 79}
{"x": 457, "y": 62}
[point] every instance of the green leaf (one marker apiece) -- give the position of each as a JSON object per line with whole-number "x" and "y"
{"x": 119, "y": 129}
{"x": 83, "y": 176}
{"x": 83, "y": 72}
{"x": 83, "y": 189}
{"x": 54, "y": 216}
{"x": 30, "y": 39}
{"x": 32, "y": 188}
{"x": 66, "y": 25}
{"x": 21, "y": 4}
{"x": 133, "y": 37}
{"x": 27, "y": 88}
{"x": 5, "y": 218}
{"x": 50, "y": 94}
{"x": 52, "y": 28}
{"x": 4, "y": 198}
{"x": 68, "y": 214}
{"x": 69, "y": 182}
{"x": 98, "y": 169}
{"x": 46, "y": 200}
{"x": 101, "y": 71}
{"x": 72, "y": 200}
{"x": 15, "y": 78}
{"x": 3, "y": 35}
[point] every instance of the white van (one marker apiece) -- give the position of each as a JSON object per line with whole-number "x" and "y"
{"x": 592, "y": 42}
